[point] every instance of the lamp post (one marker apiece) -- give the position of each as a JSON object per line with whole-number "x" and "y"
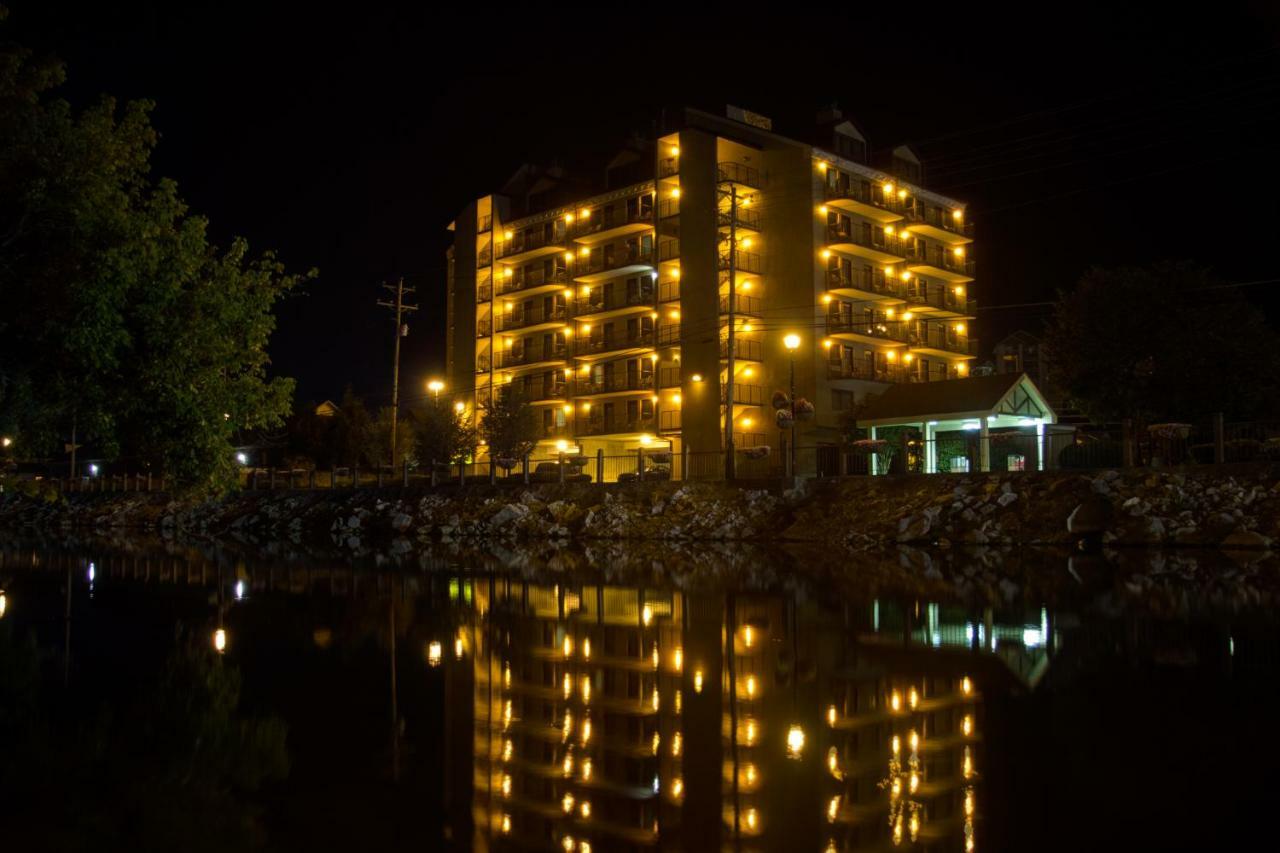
{"x": 792, "y": 343}
{"x": 435, "y": 386}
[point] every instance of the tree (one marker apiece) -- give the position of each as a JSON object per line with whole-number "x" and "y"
{"x": 378, "y": 447}
{"x": 508, "y": 426}
{"x": 441, "y": 434}
{"x": 121, "y": 320}
{"x": 1166, "y": 342}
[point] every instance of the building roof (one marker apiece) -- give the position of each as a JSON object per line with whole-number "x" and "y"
{"x": 1012, "y": 394}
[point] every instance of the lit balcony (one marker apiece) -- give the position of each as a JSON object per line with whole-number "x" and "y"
{"x": 867, "y": 331}
{"x": 608, "y": 223}
{"x": 544, "y": 392}
{"x": 938, "y": 340}
{"x": 485, "y": 224}
{"x": 598, "y": 267}
{"x": 532, "y": 319}
{"x": 852, "y": 241}
{"x": 603, "y": 303}
{"x": 619, "y": 383}
{"x": 860, "y": 370}
{"x": 742, "y": 304}
{"x": 484, "y": 293}
{"x": 534, "y": 281}
{"x": 531, "y": 355}
{"x": 744, "y": 349}
{"x": 939, "y": 262}
{"x": 939, "y": 300}
{"x": 744, "y": 394}
{"x": 744, "y": 262}
{"x": 871, "y": 288}
{"x": 870, "y": 202}
{"x": 746, "y": 218}
{"x": 669, "y": 250}
{"x": 598, "y": 346}
{"x": 482, "y": 363}
{"x": 622, "y": 426}
{"x": 941, "y": 226}
{"x": 483, "y": 328}
{"x": 744, "y": 177}
{"x": 527, "y": 245}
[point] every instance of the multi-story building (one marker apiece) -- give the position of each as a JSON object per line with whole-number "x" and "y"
{"x": 625, "y": 314}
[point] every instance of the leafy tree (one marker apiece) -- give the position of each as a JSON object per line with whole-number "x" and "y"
{"x": 378, "y": 446}
{"x": 121, "y": 320}
{"x": 1166, "y": 342}
{"x": 508, "y": 425}
{"x": 353, "y": 431}
{"x": 442, "y": 434}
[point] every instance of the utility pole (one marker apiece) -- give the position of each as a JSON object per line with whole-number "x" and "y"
{"x": 402, "y": 329}
{"x": 730, "y": 469}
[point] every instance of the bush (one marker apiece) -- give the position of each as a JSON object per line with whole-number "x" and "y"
{"x": 1092, "y": 453}
{"x": 1235, "y": 450}
{"x": 1271, "y": 450}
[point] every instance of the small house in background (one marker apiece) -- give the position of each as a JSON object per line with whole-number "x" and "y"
{"x": 327, "y": 409}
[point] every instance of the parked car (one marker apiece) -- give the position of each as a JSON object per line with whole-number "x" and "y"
{"x": 650, "y": 474}
{"x": 549, "y": 472}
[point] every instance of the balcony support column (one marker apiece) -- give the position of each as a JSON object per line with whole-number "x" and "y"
{"x": 984, "y": 446}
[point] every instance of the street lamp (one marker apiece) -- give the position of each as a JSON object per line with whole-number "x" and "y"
{"x": 792, "y": 343}
{"x": 435, "y": 386}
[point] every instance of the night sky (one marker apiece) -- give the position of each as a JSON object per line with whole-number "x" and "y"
{"x": 348, "y": 141}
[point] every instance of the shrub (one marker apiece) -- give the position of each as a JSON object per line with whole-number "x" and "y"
{"x": 1235, "y": 450}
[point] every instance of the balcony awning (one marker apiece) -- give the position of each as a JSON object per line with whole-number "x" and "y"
{"x": 1002, "y": 400}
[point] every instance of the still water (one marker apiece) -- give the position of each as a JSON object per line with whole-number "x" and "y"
{"x": 633, "y": 697}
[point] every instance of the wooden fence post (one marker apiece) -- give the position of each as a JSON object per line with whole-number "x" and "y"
{"x": 404, "y": 474}
{"x": 525, "y": 466}
{"x": 640, "y": 464}
{"x": 1219, "y": 439}
{"x": 561, "y": 466}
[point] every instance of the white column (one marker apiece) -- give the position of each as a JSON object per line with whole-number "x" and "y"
{"x": 872, "y": 456}
{"x": 930, "y": 448}
{"x": 984, "y": 446}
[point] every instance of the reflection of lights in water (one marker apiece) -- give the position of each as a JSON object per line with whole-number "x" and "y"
{"x": 93, "y": 572}
{"x": 568, "y": 723}
{"x": 697, "y": 681}
{"x": 751, "y": 774}
{"x": 751, "y": 686}
{"x": 586, "y": 648}
{"x": 895, "y": 701}
{"x": 968, "y": 802}
{"x": 656, "y": 699}
{"x": 833, "y": 760}
{"x": 831, "y": 715}
{"x": 567, "y": 842}
{"x": 506, "y": 824}
{"x": 508, "y": 749}
{"x": 753, "y": 819}
{"x": 679, "y": 701}
{"x": 506, "y": 785}
{"x": 506, "y": 675}
{"x": 567, "y": 803}
{"x": 434, "y": 652}
{"x": 748, "y": 636}
{"x": 568, "y": 645}
{"x": 913, "y": 698}
{"x": 506, "y": 713}
{"x": 896, "y": 744}
{"x": 914, "y": 740}
{"x": 751, "y": 732}
{"x": 656, "y": 784}
{"x": 657, "y": 741}
{"x": 458, "y": 648}
{"x": 654, "y": 656}
{"x": 966, "y": 725}
{"x": 897, "y": 831}
{"x": 677, "y": 787}
{"x": 239, "y": 590}
{"x": 833, "y": 809}
{"x": 567, "y": 685}
{"x": 677, "y": 659}
{"x": 647, "y": 614}
{"x": 586, "y": 688}
{"x": 676, "y": 741}
{"x": 567, "y": 766}
{"x": 585, "y": 809}
{"x": 586, "y": 731}
{"x": 220, "y": 640}
{"x": 586, "y": 770}
{"x": 968, "y": 764}
{"x": 966, "y": 686}
{"x": 4, "y": 603}
{"x": 795, "y": 741}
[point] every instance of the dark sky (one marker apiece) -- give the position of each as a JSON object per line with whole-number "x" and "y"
{"x": 348, "y": 140}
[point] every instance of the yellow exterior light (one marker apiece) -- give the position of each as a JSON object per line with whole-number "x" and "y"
{"x": 568, "y": 217}
{"x": 653, "y": 315}
{"x": 568, "y": 256}
{"x": 888, "y": 230}
{"x": 568, "y": 293}
{"x": 791, "y": 342}
{"x": 966, "y": 686}
{"x": 958, "y": 251}
{"x": 826, "y": 343}
{"x": 583, "y": 252}
{"x": 646, "y": 615}
{"x": 749, "y": 372}
{"x": 459, "y": 407}
{"x": 434, "y": 653}
{"x": 966, "y": 725}
{"x": 677, "y": 787}
{"x": 746, "y": 242}
{"x": 959, "y": 290}
{"x": 674, "y": 314}
{"x": 957, "y": 215}
{"x": 585, "y": 213}
{"x": 822, "y": 166}
{"x": 746, "y": 285}
{"x": 888, "y": 188}
{"x": 220, "y": 640}
{"x": 902, "y": 194}
{"x": 677, "y": 659}
{"x": 907, "y": 315}
{"x": 562, "y": 446}
{"x": 675, "y": 272}
{"x": 888, "y": 272}
{"x": 697, "y": 377}
{"x": 795, "y": 742}
{"x": 675, "y": 192}
{"x": 960, "y": 327}
{"x": 653, "y": 356}
{"x": 913, "y": 698}
{"x": 508, "y": 234}
{"x": 822, "y": 209}
{"x": 674, "y": 150}
{"x": 585, "y": 811}
{"x": 506, "y": 824}
{"x": 831, "y": 715}
{"x": 697, "y": 681}
{"x": 586, "y": 328}
{"x": 746, "y": 327}
{"x": 891, "y": 355}
{"x": 962, "y": 368}
{"x": 586, "y": 648}
{"x": 676, "y": 398}
{"x": 753, "y": 819}
{"x": 747, "y": 422}
{"x": 908, "y": 358}
{"x": 889, "y": 312}
{"x": 567, "y": 332}
{"x": 458, "y": 648}
{"x": 895, "y": 701}
{"x": 825, "y": 253}
{"x": 507, "y": 272}
{"x": 647, "y": 439}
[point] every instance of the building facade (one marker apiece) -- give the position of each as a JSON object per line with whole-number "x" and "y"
{"x": 626, "y": 316}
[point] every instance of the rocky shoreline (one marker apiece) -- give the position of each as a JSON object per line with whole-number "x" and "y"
{"x": 1218, "y": 509}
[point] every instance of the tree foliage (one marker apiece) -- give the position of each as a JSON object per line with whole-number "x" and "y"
{"x": 508, "y": 425}
{"x": 441, "y": 434}
{"x": 121, "y": 317}
{"x": 1166, "y": 342}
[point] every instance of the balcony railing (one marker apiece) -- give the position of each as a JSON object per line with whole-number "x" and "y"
{"x": 598, "y": 263}
{"x": 668, "y": 208}
{"x": 482, "y": 364}
{"x": 837, "y": 279}
{"x": 485, "y": 257}
{"x": 601, "y": 300}
{"x": 871, "y": 195}
{"x": 892, "y": 330}
{"x": 518, "y": 318}
{"x": 668, "y": 334}
{"x": 745, "y": 218}
{"x": 539, "y": 392}
{"x": 527, "y": 240}
{"x": 668, "y": 166}
{"x": 936, "y": 297}
{"x": 937, "y": 339}
{"x": 485, "y": 224}
{"x": 738, "y": 174}
{"x": 940, "y": 258}
{"x": 603, "y": 426}
{"x": 530, "y": 355}
{"x": 742, "y": 304}
{"x": 879, "y": 373}
{"x": 743, "y": 348}
{"x": 668, "y": 250}
{"x": 609, "y": 384}
{"x": 744, "y": 395}
{"x": 935, "y": 217}
{"x": 483, "y": 328}
{"x": 603, "y": 221}
{"x": 484, "y": 293}
{"x": 669, "y": 291}
{"x": 593, "y": 346}
{"x": 520, "y": 280}
{"x": 840, "y": 233}
{"x": 743, "y": 261}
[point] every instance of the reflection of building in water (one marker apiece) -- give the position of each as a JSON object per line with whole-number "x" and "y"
{"x": 614, "y": 718}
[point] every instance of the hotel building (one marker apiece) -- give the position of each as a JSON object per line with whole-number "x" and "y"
{"x": 625, "y": 312}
